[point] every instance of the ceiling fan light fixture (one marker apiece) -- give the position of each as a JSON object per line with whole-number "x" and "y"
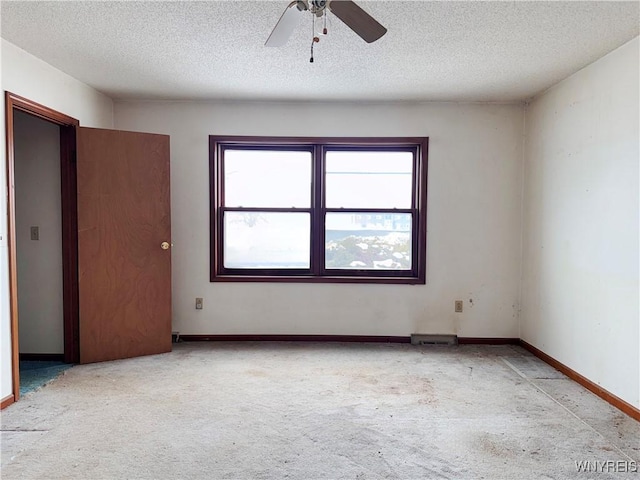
{"x": 354, "y": 17}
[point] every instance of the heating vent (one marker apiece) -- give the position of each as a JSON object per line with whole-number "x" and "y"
{"x": 420, "y": 339}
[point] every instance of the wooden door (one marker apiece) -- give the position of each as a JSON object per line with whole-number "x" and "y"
{"x": 123, "y": 218}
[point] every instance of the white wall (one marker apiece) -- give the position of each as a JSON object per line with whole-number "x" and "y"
{"x": 38, "y": 203}
{"x": 581, "y": 213}
{"x": 25, "y": 75}
{"x": 474, "y": 203}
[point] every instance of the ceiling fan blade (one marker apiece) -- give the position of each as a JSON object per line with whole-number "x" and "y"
{"x": 357, "y": 20}
{"x": 286, "y": 25}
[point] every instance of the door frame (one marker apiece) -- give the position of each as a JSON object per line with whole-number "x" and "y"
{"x": 68, "y": 179}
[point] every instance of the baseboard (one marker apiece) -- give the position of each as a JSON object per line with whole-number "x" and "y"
{"x": 43, "y": 357}
{"x": 339, "y": 338}
{"x": 295, "y": 338}
{"x": 488, "y": 341}
{"x": 607, "y": 396}
{"x": 6, "y": 401}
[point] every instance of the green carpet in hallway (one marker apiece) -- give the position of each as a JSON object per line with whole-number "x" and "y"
{"x": 35, "y": 374}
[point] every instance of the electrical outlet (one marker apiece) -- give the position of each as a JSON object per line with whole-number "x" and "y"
{"x": 458, "y": 306}
{"x": 35, "y": 233}
{"x": 198, "y": 303}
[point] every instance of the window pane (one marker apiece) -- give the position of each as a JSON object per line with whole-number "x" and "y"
{"x": 368, "y": 179}
{"x": 378, "y": 241}
{"x": 266, "y": 178}
{"x": 266, "y": 240}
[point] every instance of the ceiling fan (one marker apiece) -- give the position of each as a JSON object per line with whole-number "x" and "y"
{"x": 349, "y": 12}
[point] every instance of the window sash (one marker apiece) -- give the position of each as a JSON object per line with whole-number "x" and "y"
{"x": 267, "y": 242}
{"x": 372, "y": 271}
{"x": 263, "y": 148}
{"x": 359, "y": 149}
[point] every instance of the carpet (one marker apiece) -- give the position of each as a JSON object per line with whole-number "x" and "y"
{"x": 35, "y": 374}
{"x": 278, "y": 410}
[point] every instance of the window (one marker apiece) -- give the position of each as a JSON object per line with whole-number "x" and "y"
{"x": 318, "y": 209}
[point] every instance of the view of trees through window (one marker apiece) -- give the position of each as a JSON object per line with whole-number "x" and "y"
{"x": 368, "y": 241}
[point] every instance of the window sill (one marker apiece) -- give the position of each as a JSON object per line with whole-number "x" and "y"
{"x": 318, "y": 279}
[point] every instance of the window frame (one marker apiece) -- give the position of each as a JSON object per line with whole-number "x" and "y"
{"x": 318, "y": 146}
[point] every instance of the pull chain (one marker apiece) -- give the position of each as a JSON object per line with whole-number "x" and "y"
{"x": 313, "y": 31}
{"x": 313, "y": 37}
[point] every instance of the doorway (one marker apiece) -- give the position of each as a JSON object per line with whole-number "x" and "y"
{"x": 43, "y": 274}
{"x": 38, "y": 206}
{"x": 116, "y": 235}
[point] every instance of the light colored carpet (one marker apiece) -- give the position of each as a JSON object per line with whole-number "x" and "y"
{"x": 312, "y": 411}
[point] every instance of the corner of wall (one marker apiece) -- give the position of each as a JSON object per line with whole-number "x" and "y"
{"x": 523, "y": 165}
{"x": 579, "y": 230}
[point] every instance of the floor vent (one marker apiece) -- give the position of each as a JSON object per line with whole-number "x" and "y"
{"x": 420, "y": 339}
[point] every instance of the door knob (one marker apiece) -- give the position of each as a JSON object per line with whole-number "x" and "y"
{"x": 166, "y": 245}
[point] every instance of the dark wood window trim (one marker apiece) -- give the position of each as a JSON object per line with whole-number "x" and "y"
{"x": 317, "y": 273}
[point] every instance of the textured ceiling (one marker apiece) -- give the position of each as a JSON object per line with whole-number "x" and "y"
{"x": 456, "y": 51}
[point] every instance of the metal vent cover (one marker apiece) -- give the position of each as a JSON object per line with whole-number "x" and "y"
{"x": 426, "y": 339}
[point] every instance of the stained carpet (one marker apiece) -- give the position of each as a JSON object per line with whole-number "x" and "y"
{"x": 262, "y": 411}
